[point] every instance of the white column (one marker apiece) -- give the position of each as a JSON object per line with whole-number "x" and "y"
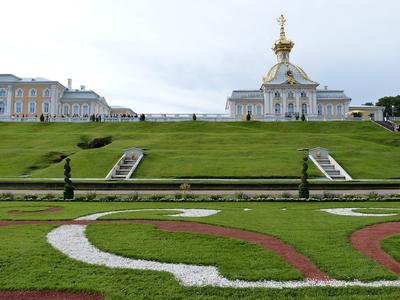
{"x": 298, "y": 108}
{"x": 53, "y": 110}
{"x": 9, "y": 97}
{"x": 283, "y": 103}
{"x": 271, "y": 108}
{"x": 266, "y": 104}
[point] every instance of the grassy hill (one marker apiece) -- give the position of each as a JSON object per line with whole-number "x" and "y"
{"x": 198, "y": 149}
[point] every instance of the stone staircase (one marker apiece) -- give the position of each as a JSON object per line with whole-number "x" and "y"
{"x": 389, "y": 125}
{"x": 327, "y": 164}
{"x": 127, "y": 164}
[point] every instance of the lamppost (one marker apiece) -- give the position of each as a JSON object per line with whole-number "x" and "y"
{"x": 392, "y": 110}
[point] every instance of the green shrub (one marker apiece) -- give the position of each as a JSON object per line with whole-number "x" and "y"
{"x": 90, "y": 196}
{"x": 68, "y": 187}
{"x": 142, "y": 118}
{"x": 304, "y": 191}
{"x": 287, "y": 195}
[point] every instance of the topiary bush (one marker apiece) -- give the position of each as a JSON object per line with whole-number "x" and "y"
{"x": 68, "y": 187}
{"x": 304, "y": 191}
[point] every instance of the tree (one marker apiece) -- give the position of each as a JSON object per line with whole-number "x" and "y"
{"x": 304, "y": 191}
{"x": 303, "y": 117}
{"x": 68, "y": 187}
{"x": 391, "y": 104}
{"x": 41, "y": 118}
{"x": 194, "y": 117}
{"x": 248, "y": 116}
{"x": 369, "y": 104}
{"x": 142, "y": 117}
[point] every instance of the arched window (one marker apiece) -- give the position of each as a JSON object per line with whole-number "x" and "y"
{"x": 46, "y": 93}
{"x": 66, "y": 110}
{"x": 239, "y": 110}
{"x": 291, "y": 108}
{"x": 304, "y": 108}
{"x": 2, "y": 92}
{"x": 32, "y": 107}
{"x": 277, "y": 109}
{"x": 277, "y": 95}
{"x": 2, "y": 107}
{"x": 32, "y": 93}
{"x": 259, "y": 110}
{"x": 46, "y": 107}
{"x": 329, "y": 111}
{"x": 75, "y": 109}
{"x": 18, "y": 107}
{"x": 320, "y": 111}
{"x": 85, "y": 109}
{"x": 290, "y": 95}
{"x": 250, "y": 109}
{"x": 339, "y": 111}
{"x": 19, "y": 93}
{"x": 303, "y": 95}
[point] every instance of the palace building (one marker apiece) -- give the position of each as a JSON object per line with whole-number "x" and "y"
{"x": 288, "y": 92}
{"x": 31, "y": 97}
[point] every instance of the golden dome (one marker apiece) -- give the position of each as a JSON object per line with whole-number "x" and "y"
{"x": 283, "y": 43}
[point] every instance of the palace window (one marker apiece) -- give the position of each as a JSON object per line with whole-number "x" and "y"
{"x": 320, "y": 111}
{"x": 32, "y": 107}
{"x": 304, "y": 108}
{"x": 259, "y": 110}
{"x": 75, "y": 109}
{"x": 18, "y": 107}
{"x": 239, "y": 110}
{"x": 46, "y": 93}
{"x": 46, "y": 107}
{"x": 277, "y": 95}
{"x": 339, "y": 111}
{"x": 85, "y": 109}
{"x": 66, "y": 110}
{"x": 303, "y": 95}
{"x": 19, "y": 93}
{"x": 277, "y": 109}
{"x": 291, "y": 108}
{"x": 32, "y": 93}
{"x": 2, "y": 107}
{"x": 250, "y": 109}
{"x": 290, "y": 95}
{"x": 329, "y": 110}
{"x": 2, "y": 92}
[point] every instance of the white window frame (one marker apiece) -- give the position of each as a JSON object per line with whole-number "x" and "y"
{"x": 45, "y": 91}
{"x": 259, "y": 110}
{"x": 320, "y": 108}
{"x": 43, "y": 107}
{"x": 21, "y": 104}
{"x": 250, "y": 109}
{"x": 84, "y": 112}
{"x": 63, "y": 109}
{"x": 339, "y": 106}
{"x": 329, "y": 110}
{"x": 17, "y": 93}
{"x": 303, "y": 94}
{"x": 239, "y": 110}
{"x": 278, "y": 109}
{"x": 34, "y": 107}
{"x": 3, "y": 92}
{"x": 291, "y": 108}
{"x": 74, "y": 106}
{"x": 34, "y": 94}
{"x": 277, "y": 94}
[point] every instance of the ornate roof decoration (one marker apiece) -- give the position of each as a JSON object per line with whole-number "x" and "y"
{"x": 285, "y": 72}
{"x": 283, "y": 44}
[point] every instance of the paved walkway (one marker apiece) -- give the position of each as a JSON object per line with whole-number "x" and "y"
{"x": 205, "y": 192}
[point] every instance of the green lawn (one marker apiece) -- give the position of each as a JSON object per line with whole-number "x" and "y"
{"x": 27, "y": 261}
{"x": 198, "y": 149}
{"x": 392, "y": 246}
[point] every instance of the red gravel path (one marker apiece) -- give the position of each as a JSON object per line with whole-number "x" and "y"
{"x": 368, "y": 241}
{"x": 287, "y": 252}
{"x": 47, "y": 295}
{"x": 39, "y": 211}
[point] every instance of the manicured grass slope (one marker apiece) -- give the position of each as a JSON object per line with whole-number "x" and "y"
{"x": 27, "y": 261}
{"x": 392, "y": 246}
{"x": 199, "y": 149}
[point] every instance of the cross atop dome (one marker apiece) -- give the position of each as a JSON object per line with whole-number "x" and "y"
{"x": 283, "y": 46}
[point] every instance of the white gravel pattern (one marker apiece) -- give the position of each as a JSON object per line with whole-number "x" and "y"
{"x": 72, "y": 241}
{"x": 351, "y": 212}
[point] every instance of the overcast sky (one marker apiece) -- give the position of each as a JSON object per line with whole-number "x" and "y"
{"x": 187, "y": 56}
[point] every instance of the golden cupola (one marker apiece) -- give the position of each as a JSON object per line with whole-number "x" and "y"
{"x": 283, "y": 45}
